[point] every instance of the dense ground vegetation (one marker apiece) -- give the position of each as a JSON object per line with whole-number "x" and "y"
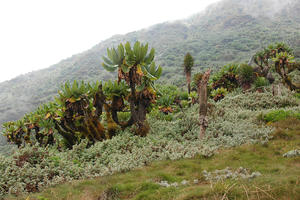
{"x": 235, "y": 120}
{"x": 277, "y": 179}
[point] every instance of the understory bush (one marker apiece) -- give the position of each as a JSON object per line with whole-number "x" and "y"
{"x": 297, "y": 95}
{"x": 232, "y": 122}
{"x": 277, "y": 115}
{"x": 257, "y": 101}
{"x": 261, "y": 82}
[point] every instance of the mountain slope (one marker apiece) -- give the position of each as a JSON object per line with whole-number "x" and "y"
{"x": 229, "y": 31}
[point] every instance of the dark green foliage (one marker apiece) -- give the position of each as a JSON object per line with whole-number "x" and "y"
{"x": 188, "y": 63}
{"x": 297, "y": 95}
{"x": 166, "y": 100}
{"x": 183, "y": 95}
{"x": 219, "y": 93}
{"x": 169, "y": 98}
{"x": 261, "y": 82}
{"x": 262, "y": 58}
{"x": 196, "y": 80}
{"x": 278, "y": 115}
{"x": 245, "y": 74}
{"x": 226, "y": 78}
{"x": 80, "y": 107}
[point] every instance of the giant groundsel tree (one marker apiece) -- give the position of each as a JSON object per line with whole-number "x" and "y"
{"x": 76, "y": 113}
{"x": 138, "y": 70}
{"x": 281, "y": 57}
{"x": 188, "y": 63}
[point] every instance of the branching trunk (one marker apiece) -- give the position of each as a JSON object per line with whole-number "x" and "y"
{"x": 70, "y": 139}
{"x": 99, "y": 102}
{"x": 202, "y": 93}
{"x": 280, "y": 69}
{"x": 142, "y": 126}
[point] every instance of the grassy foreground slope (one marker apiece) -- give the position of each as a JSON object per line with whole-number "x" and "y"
{"x": 237, "y": 136}
{"x": 280, "y": 177}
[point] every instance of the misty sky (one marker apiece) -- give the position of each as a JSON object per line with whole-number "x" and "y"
{"x": 35, "y": 34}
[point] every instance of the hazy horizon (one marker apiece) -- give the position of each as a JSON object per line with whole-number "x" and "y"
{"x": 39, "y": 34}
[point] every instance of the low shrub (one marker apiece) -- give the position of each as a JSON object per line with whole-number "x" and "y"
{"x": 277, "y": 115}
{"x": 261, "y": 82}
{"x": 245, "y": 74}
{"x": 258, "y": 101}
{"x": 226, "y": 77}
{"x": 297, "y": 95}
{"x": 219, "y": 93}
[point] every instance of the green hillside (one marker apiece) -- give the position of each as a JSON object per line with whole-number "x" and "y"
{"x": 229, "y": 31}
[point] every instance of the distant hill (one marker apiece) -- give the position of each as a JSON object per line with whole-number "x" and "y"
{"x": 229, "y": 31}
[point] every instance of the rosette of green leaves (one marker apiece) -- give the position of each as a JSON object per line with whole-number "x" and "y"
{"x": 15, "y": 131}
{"x": 226, "y": 76}
{"x": 226, "y": 69}
{"x": 261, "y": 82}
{"x": 111, "y": 89}
{"x": 219, "y": 93}
{"x": 193, "y": 95}
{"x": 284, "y": 57}
{"x": 166, "y": 100}
{"x": 278, "y": 48}
{"x": 72, "y": 93}
{"x": 125, "y": 58}
{"x": 9, "y": 129}
{"x": 69, "y": 94}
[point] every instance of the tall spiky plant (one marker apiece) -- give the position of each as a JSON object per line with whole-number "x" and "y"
{"x": 80, "y": 111}
{"x": 138, "y": 70}
{"x": 188, "y": 63}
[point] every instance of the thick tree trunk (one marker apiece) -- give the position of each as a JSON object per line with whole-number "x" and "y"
{"x": 70, "y": 139}
{"x": 138, "y": 107}
{"x": 276, "y": 90}
{"x": 142, "y": 125}
{"x": 188, "y": 80}
{"x": 202, "y": 93}
{"x": 99, "y": 102}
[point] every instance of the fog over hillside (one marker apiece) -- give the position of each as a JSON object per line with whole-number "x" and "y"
{"x": 254, "y": 8}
